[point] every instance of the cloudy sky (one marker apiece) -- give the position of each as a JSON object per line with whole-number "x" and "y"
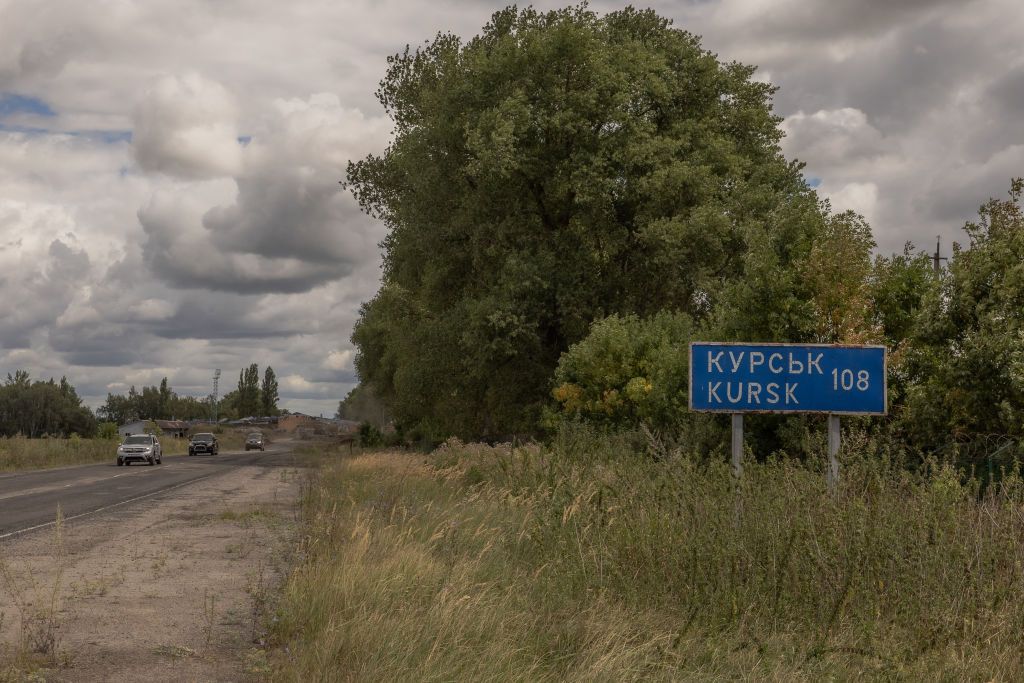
{"x": 168, "y": 168}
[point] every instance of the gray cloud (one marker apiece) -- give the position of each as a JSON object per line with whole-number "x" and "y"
{"x": 290, "y": 227}
{"x": 225, "y": 317}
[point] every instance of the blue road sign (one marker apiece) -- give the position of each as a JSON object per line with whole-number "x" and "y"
{"x": 788, "y": 378}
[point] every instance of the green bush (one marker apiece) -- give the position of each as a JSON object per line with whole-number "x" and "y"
{"x": 107, "y": 430}
{"x": 370, "y": 436}
{"x": 627, "y": 371}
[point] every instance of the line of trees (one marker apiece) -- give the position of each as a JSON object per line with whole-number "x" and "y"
{"x": 572, "y": 198}
{"x": 252, "y": 397}
{"x": 152, "y": 403}
{"x": 163, "y": 403}
{"x": 42, "y": 408}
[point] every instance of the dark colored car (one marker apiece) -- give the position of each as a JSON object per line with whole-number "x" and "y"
{"x": 203, "y": 443}
{"x": 255, "y": 440}
{"x": 139, "y": 448}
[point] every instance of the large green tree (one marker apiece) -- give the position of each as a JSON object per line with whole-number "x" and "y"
{"x": 558, "y": 168}
{"x": 269, "y": 393}
{"x": 248, "y": 401}
{"x": 967, "y": 362}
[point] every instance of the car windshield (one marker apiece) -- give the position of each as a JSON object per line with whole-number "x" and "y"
{"x": 139, "y": 438}
{"x": 203, "y": 437}
{"x": 255, "y": 435}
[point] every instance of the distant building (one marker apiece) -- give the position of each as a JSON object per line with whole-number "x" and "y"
{"x": 290, "y": 423}
{"x": 175, "y": 428}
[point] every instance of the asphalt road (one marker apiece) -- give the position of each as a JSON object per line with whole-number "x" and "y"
{"x": 29, "y": 500}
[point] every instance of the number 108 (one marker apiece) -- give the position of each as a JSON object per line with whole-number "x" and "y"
{"x": 846, "y": 380}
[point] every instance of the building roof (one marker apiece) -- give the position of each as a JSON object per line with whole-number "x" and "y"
{"x": 171, "y": 424}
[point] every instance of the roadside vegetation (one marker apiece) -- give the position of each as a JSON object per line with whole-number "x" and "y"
{"x": 591, "y": 560}
{"x": 571, "y": 199}
{"x": 19, "y": 453}
{"x": 611, "y": 192}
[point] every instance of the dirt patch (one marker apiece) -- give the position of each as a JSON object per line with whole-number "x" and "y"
{"x": 172, "y": 588}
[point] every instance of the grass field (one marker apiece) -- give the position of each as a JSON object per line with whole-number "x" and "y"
{"x": 19, "y": 453}
{"x": 588, "y": 561}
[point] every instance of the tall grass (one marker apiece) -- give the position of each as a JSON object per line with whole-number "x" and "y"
{"x": 590, "y": 560}
{"x": 18, "y": 453}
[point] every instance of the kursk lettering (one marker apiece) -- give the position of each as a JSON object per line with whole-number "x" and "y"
{"x": 733, "y": 393}
{"x": 789, "y": 362}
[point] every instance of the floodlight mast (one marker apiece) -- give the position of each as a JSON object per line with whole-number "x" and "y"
{"x": 213, "y": 397}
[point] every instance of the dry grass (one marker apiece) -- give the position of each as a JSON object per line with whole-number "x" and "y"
{"x": 18, "y": 453}
{"x": 39, "y": 615}
{"x": 588, "y": 561}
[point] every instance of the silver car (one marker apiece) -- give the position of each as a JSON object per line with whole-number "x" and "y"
{"x": 139, "y": 448}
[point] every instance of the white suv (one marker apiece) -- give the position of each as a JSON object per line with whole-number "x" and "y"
{"x": 141, "y": 448}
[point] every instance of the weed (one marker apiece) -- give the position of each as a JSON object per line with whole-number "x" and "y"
{"x": 209, "y": 617}
{"x": 38, "y": 607}
{"x": 258, "y": 590}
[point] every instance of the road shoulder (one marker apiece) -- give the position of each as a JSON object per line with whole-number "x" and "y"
{"x": 174, "y": 587}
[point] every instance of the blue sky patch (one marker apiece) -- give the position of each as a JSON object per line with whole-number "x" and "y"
{"x": 814, "y": 182}
{"x": 108, "y": 136}
{"x": 12, "y": 103}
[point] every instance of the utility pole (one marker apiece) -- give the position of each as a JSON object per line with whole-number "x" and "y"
{"x": 938, "y": 258}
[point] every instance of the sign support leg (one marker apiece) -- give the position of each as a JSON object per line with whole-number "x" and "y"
{"x": 737, "y": 445}
{"x": 833, "y": 451}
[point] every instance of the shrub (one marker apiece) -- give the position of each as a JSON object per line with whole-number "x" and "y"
{"x": 107, "y": 430}
{"x": 370, "y": 436}
{"x": 627, "y": 371}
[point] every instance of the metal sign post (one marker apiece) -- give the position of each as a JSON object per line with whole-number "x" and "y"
{"x": 788, "y": 378}
{"x": 737, "y": 445}
{"x": 834, "y": 436}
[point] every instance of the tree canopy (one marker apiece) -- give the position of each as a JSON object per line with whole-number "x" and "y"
{"x": 42, "y": 408}
{"x": 967, "y": 360}
{"x": 556, "y": 169}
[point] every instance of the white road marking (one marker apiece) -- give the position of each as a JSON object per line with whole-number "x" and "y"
{"x": 105, "y": 507}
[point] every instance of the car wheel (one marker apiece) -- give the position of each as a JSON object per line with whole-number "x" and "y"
{"x": 120, "y": 462}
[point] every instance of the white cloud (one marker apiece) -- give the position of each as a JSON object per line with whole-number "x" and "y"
{"x": 859, "y": 197}
{"x": 339, "y": 360}
{"x": 831, "y": 138}
{"x": 187, "y": 127}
